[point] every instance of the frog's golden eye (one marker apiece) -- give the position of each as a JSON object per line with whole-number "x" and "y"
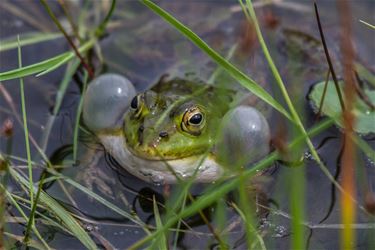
{"x": 193, "y": 121}
{"x": 137, "y": 104}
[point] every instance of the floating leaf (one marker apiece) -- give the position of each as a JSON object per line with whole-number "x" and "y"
{"x": 365, "y": 117}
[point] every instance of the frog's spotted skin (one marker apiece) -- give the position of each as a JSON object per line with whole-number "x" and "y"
{"x": 171, "y": 132}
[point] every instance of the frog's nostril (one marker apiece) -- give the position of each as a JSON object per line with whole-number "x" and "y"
{"x": 163, "y": 134}
{"x": 141, "y": 128}
{"x": 140, "y": 134}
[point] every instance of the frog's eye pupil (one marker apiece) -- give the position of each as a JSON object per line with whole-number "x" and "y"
{"x": 196, "y": 119}
{"x": 193, "y": 121}
{"x": 134, "y": 103}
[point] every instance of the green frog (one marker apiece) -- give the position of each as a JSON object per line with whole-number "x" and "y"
{"x": 178, "y": 129}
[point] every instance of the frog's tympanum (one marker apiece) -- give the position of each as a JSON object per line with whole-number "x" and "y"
{"x": 178, "y": 129}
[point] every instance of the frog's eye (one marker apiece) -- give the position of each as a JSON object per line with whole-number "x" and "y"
{"x": 136, "y": 105}
{"x": 193, "y": 121}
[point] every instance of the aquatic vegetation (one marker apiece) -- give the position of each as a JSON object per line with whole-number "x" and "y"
{"x": 364, "y": 112}
{"x": 59, "y": 184}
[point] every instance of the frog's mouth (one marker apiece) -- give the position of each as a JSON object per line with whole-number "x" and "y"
{"x": 157, "y": 149}
{"x": 152, "y": 152}
{"x": 161, "y": 170}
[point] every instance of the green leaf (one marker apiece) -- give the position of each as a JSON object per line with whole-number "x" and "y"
{"x": 365, "y": 73}
{"x": 242, "y": 78}
{"x": 364, "y": 116}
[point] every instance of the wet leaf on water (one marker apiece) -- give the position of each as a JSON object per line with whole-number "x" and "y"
{"x": 365, "y": 117}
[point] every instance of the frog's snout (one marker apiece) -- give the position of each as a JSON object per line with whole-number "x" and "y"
{"x": 106, "y": 100}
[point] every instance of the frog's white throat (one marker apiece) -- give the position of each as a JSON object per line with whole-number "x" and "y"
{"x": 202, "y": 168}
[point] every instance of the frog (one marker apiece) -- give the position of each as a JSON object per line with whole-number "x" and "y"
{"x": 175, "y": 131}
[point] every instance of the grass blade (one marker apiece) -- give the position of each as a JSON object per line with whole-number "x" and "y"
{"x": 242, "y": 78}
{"x": 368, "y": 24}
{"x": 293, "y": 111}
{"x": 215, "y": 192}
{"x": 70, "y": 71}
{"x": 69, "y": 40}
{"x": 247, "y": 213}
{"x": 297, "y": 192}
{"x": 60, "y": 212}
{"x": 100, "y": 199}
{"x": 78, "y": 118}
{"x": 162, "y": 240}
{"x": 31, "y": 69}
{"x": 44, "y": 66}
{"x": 259, "y": 244}
{"x": 27, "y": 39}
{"x": 27, "y": 144}
{"x": 24, "y": 216}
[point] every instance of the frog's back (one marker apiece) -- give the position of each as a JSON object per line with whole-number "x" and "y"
{"x": 198, "y": 91}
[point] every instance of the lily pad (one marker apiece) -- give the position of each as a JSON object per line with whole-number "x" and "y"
{"x": 365, "y": 116}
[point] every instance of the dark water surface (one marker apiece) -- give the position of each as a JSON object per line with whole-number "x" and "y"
{"x": 143, "y": 47}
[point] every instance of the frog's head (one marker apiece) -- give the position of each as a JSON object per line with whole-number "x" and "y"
{"x": 177, "y": 121}
{"x": 161, "y": 126}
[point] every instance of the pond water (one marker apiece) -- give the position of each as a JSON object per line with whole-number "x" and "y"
{"x": 143, "y": 47}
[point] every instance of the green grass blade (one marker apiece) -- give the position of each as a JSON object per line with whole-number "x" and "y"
{"x": 31, "y": 244}
{"x": 247, "y": 212}
{"x": 55, "y": 66}
{"x": 242, "y": 78}
{"x": 60, "y": 212}
{"x": 297, "y": 205}
{"x": 71, "y": 223}
{"x": 82, "y": 49}
{"x": 27, "y": 144}
{"x": 364, "y": 146}
{"x": 32, "y": 69}
{"x": 281, "y": 85}
{"x": 368, "y": 24}
{"x": 43, "y": 66}
{"x": 25, "y": 217}
{"x": 27, "y": 39}
{"x": 101, "y": 28}
{"x": 175, "y": 241}
{"x": 78, "y": 118}
{"x": 218, "y": 71}
{"x": 205, "y": 200}
{"x": 70, "y": 70}
{"x": 161, "y": 241}
{"x": 256, "y": 244}
{"x": 101, "y": 200}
